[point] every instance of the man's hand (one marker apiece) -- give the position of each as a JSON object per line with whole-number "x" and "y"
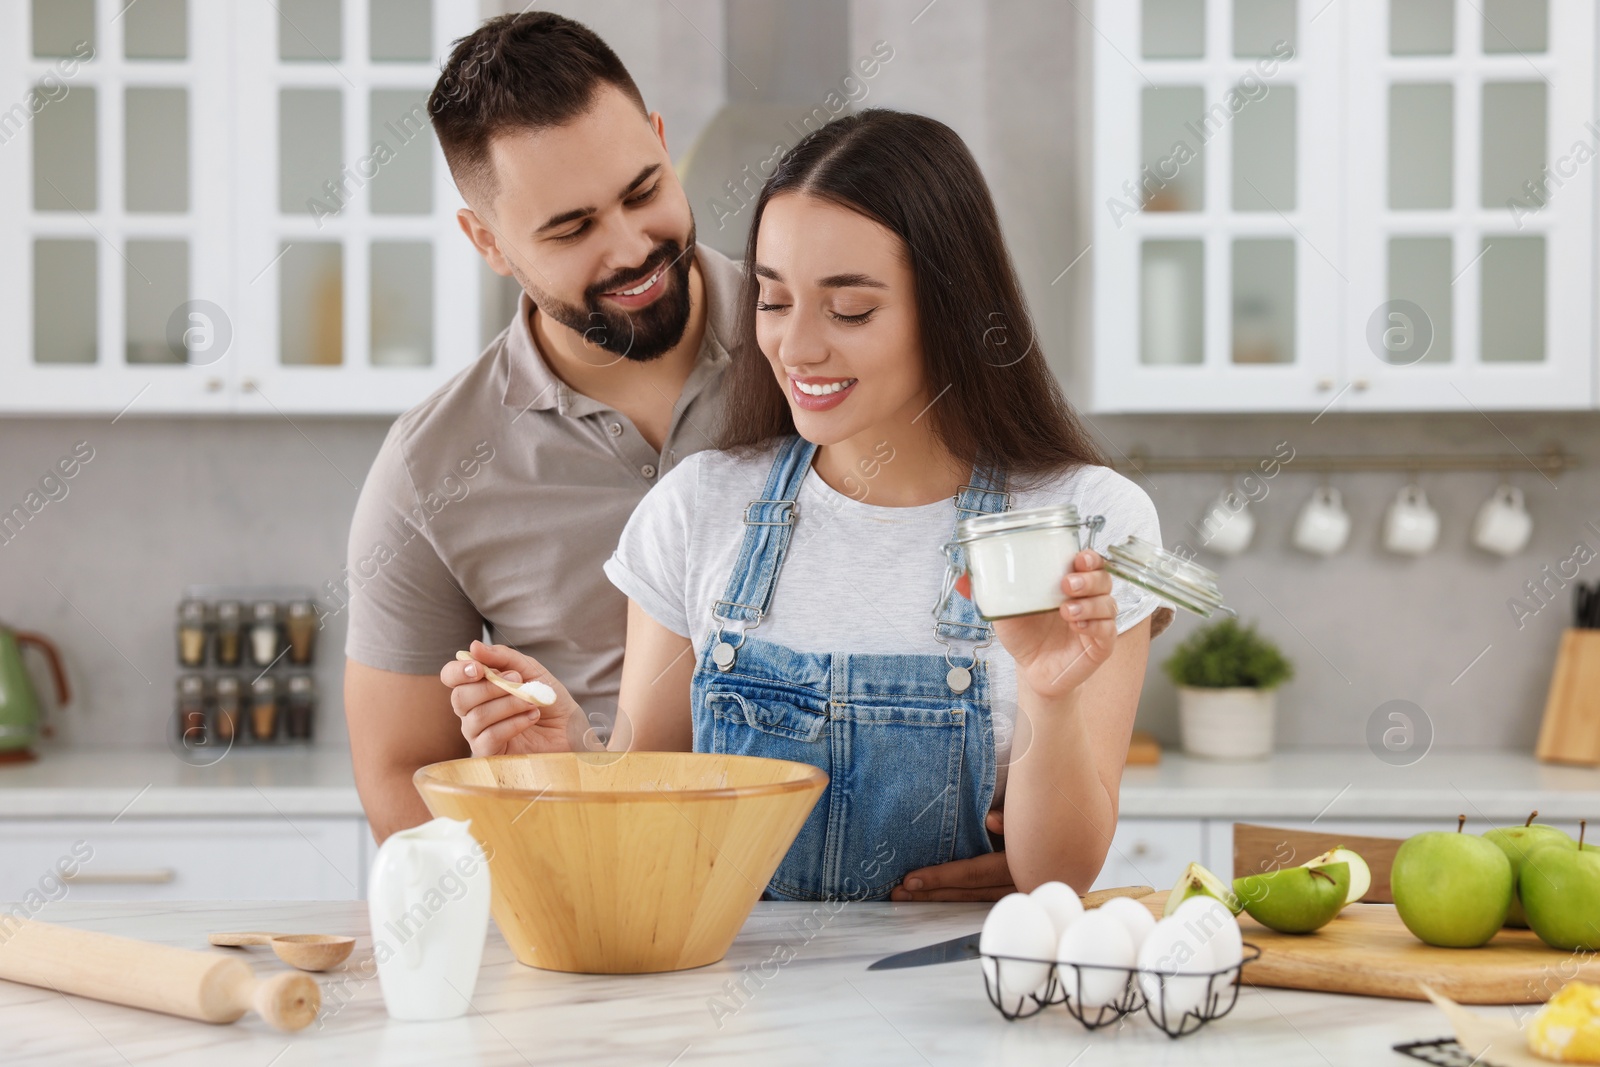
{"x": 493, "y": 721}
{"x": 979, "y": 878}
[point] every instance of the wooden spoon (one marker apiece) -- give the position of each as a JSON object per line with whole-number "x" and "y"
{"x": 308, "y": 952}
{"x": 514, "y": 688}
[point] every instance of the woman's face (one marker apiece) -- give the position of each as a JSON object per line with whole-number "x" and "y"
{"x": 836, "y": 318}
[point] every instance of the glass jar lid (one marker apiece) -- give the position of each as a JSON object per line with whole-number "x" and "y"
{"x": 1168, "y": 575}
{"x": 1054, "y": 516}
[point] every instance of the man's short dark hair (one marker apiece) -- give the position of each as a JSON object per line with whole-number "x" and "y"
{"x": 517, "y": 72}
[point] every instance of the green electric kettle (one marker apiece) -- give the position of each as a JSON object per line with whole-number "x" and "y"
{"x": 19, "y": 704}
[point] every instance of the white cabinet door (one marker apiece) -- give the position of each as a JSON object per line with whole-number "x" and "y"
{"x": 1152, "y": 852}
{"x": 182, "y": 859}
{"x": 1471, "y": 223}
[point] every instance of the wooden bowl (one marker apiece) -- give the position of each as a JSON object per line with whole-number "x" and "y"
{"x": 625, "y": 863}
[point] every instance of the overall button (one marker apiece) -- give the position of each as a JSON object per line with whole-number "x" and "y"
{"x": 648, "y": 470}
{"x": 615, "y": 429}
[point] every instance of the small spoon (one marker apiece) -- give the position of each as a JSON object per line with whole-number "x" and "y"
{"x": 307, "y": 952}
{"x": 543, "y": 697}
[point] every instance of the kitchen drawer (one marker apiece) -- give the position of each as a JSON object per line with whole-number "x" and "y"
{"x": 182, "y": 859}
{"x": 1152, "y": 852}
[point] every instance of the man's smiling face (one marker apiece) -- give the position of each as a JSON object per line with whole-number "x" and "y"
{"x": 590, "y": 218}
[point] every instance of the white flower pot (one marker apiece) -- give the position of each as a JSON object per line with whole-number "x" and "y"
{"x": 1226, "y": 723}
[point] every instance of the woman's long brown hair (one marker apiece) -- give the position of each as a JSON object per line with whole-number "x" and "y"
{"x": 996, "y": 397}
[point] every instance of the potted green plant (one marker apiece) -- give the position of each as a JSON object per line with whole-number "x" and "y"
{"x": 1227, "y": 677}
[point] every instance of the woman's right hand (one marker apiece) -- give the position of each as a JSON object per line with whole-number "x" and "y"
{"x": 496, "y": 723}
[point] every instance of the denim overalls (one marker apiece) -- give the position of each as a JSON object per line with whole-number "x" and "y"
{"x": 907, "y": 741}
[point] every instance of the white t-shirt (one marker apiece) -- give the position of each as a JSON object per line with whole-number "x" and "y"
{"x": 858, "y": 577}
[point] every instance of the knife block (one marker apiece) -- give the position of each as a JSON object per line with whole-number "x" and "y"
{"x": 1571, "y": 729}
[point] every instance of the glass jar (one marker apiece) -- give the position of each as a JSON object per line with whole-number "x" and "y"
{"x": 264, "y": 633}
{"x": 302, "y": 699}
{"x": 1015, "y": 560}
{"x": 228, "y": 715}
{"x": 191, "y": 710}
{"x": 302, "y": 627}
{"x": 264, "y": 708}
{"x": 192, "y": 633}
{"x": 230, "y": 620}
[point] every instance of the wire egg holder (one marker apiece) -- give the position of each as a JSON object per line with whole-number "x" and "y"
{"x": 1222, "y": 992}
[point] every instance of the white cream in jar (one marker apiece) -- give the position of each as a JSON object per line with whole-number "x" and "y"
{"x": 1016, "y": 559}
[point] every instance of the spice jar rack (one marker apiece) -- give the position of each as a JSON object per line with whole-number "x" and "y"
{"x": 245, "y": 655}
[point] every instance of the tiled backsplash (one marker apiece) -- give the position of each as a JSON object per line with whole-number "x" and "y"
{"x": 167, "y": 503}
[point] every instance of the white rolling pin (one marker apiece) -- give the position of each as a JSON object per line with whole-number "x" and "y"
{"x": 141, "y": 974}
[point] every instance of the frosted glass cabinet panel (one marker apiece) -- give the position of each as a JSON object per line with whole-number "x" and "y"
{"x": 230, "y": 207}
{"x": 1365, "y": 205}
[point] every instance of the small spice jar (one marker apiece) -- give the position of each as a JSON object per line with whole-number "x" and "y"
{"x": 302, "y": 627}
{"x": 1016, "y": 559}
{"x": 264, "y": 633}
{"x": 230, "y": 643}
{"x": 264, "y": 708}
{"x": 228, "y": 715}
{"x": 302, "y": 700}
{"x": 191, "y": 710}
{"x": 192, "y": 633}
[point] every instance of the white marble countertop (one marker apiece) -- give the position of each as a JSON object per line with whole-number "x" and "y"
{"x": 820, "y": 1007}
{"x": 157, "y": 783}
{"x": 1303, "y": 784}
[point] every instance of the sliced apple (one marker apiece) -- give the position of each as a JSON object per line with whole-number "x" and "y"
{"x": 1197, "y": 881}
{"x": 1360, "y": 873}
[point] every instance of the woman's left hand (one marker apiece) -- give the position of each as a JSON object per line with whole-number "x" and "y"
{"x": 1056, "y": 651}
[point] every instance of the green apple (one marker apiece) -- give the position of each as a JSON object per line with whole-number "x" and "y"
{"x": 1295, "y": 900}
{"x": 1197, "y": 881}
{"x": 1561, "y": 893}
{"x": 1360, "y": 873}
{"x": 1518, "y": 843}
{"x": 1451, "y": 890}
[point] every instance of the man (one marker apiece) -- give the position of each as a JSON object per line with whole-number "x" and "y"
{"x": 497, "y": 499}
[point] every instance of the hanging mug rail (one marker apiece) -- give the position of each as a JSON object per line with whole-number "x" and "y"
{"x": 1551, "y": 461}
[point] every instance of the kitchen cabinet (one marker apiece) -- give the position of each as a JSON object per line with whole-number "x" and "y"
{"x": 304, "y": 858}
{"x": 230, "y": 208}
{"x": 1364, "y": 206}
{"x": 1152, "y": 852}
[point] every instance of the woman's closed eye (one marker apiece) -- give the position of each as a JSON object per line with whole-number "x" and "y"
{"x": 848, "y": 320}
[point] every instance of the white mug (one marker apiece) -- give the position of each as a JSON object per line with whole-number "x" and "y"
{"x": 1323, "y": 527}
{"x": 1503, "y": 525}
{"x": 1411, "y": 528}
{"x": 1226, "y": 528}
{"x": 428, "y": 902}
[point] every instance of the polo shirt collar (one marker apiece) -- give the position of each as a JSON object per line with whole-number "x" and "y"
{"x": 532, "y": 386}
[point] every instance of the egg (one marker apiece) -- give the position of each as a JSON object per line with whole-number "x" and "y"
{"x": 1170, "y": 952}
{"x": 1134, "y": 917}
{"x": 1214, "y": 925}
{"x": 1061, "y": 902}
{"x": 1098, "y": 939}
{"x": 1017, "y": 925}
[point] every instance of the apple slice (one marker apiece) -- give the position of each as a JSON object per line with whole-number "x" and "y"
{"x": 1197, "y": 881}
{"x": 1296, "y": 900}
{"x": 1360, "y": 873}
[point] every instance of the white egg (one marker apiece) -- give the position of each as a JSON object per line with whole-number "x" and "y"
{"x": 1017, "y": 925}
{"x": 1098, "y": 939}
{"x": 1213, "y": 925}
{"x": 1134, "y": 917}
{"x": 1169, "y": 952}
{"x": 1061, "y": 902}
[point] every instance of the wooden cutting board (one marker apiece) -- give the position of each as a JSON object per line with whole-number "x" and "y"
{"x": 1368, "y": 951}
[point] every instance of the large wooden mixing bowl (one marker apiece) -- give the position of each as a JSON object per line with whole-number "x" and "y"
{"x": 613, "y": 863}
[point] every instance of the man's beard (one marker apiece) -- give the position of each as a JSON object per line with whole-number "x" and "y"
{"x": 642, "y": 335}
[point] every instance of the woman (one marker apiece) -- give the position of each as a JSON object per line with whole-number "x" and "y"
{"x": 888, "y": 387}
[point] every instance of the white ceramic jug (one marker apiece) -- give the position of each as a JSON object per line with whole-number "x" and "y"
{"x": 428, "y": 899}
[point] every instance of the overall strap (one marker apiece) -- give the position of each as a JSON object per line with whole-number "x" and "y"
{"x": 958, "y": 618}
{"x": 768, "y": 525}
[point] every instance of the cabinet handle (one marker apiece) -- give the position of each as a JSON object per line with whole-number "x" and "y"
{"x": 1360, "y": 385}
{"x": 1141, "y": 849}
{"x": 152, "y": 876}
{"x": 1324, "y": 384}
{"x": 213, "y": 385}
{"x": 248, "y": 385}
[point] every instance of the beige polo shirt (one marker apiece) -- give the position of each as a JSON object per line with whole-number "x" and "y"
{"x": 498, "y": 499}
